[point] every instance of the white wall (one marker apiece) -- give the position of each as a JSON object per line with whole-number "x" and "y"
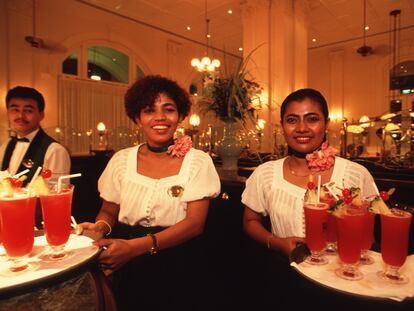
{"x": 357, "y": 85}
{"x": 67, "y": 25}
{"x": 349, "y": 81}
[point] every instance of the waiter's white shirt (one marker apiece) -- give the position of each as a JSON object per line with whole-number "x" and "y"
{"x": 57, "y": 157}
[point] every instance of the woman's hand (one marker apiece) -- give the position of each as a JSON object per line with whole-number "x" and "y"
{"x": 94, "y": 230}
{"x": 116, "y": 253}
{"x": 287, "y": 245}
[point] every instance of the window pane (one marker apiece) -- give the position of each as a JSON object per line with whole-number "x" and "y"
{"x": 70, "y": 65}
{"x": 402, "y": 76}
{"x": 139, "y": 74}
{"x": 107, "y": 64}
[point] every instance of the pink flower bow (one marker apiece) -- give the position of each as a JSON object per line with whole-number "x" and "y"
{"x": 323, "y": 159}
{"x": 181, "y": 147}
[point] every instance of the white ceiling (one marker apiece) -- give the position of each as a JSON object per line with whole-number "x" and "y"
{"x": 329, "y": 21}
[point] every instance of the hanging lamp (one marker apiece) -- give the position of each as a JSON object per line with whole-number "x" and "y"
{"x": 206, "y": 64}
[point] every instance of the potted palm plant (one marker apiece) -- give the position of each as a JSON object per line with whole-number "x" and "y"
{"x": 234, "y": 99}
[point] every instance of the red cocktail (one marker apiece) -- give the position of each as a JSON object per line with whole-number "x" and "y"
{"x": 56, "y": 208}
{"x": 394, "y": 244}
{"x": 331, "y": 235}
{"x": 350, "y": 233}
{"x": 17, "y": 218}
{"x": 316, "y": 218}
{"x": 367, "y": 238}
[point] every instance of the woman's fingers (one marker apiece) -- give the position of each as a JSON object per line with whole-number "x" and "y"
{"x": 84, "y": 226}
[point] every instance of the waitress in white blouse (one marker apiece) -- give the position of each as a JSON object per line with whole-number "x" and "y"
{"x": 277, "y": 188}
{"x": 155, "y": 200}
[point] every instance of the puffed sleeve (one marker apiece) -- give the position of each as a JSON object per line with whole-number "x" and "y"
{"x": 204, "y": 181}
{"x": 253, "y": 195}
{"x": 109, "y": 184}
{"x": 58, "y": 160}
{"x": 368, "y": 184}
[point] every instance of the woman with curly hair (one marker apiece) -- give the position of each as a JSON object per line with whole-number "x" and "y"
{"x": 155, "y": 203}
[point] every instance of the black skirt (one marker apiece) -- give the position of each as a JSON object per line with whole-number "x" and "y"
{"x": 171, "y": 278}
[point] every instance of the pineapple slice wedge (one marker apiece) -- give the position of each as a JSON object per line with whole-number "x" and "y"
{"x": 39, "y": 186}
{"x": 356, "y": 196}
{"x": 311, "y": 196}
{"x": 6, "y": 188}
{"x": 338, "y": 209}
{"x": 378, "y": 206}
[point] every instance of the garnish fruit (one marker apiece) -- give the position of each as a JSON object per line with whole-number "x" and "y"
{"x": 46, "y": 173}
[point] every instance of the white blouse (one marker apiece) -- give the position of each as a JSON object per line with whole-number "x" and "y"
{"x": 146, "y": 201}
{"x": 269, "y": 193}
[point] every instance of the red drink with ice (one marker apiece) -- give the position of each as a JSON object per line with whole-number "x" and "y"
{"x": 316, "y": 217}
{"x": 56, "y": 208}
{"x": 368, "y": 234}
{"x": 17, "y": 218}
{"x": 394, "y": 237}
{"x": 395, "y": 228}
{"x": 331, "y": 235}
{"x": 350, "y": 233}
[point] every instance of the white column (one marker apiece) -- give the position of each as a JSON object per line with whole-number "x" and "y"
{"x": 277, "y": 30}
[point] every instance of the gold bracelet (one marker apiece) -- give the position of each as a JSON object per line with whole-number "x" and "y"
{"x": 106, "y": 223}
{"x": 154, "y": 249}
{"x": 268, "y": 240}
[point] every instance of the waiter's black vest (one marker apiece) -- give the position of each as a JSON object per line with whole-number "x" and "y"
{"x": 36, "y": 152}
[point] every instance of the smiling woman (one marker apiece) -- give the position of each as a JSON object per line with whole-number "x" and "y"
{"x": 155, "y": 202}
{"x": 277, "y": 188}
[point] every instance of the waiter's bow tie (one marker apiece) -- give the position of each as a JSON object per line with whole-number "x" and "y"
{"x": 24, "y": 139}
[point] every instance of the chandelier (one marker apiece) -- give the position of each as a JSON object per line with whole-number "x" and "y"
{"x": 206, "y": 64}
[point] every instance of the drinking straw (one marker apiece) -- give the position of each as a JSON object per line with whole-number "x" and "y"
{"x": 328, "y": 186}
{"x": 59, "y": 186}
{"x": 375, "y": 187}
{"x": 74, "y": 223}
{"x": 319, "y": 189}
{"x": 21, "y": 173}
{"x": 34, "y": 177}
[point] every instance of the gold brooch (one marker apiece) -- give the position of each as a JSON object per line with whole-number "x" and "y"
{"x": 176, "y": 191}
{"x": 28, "y": 163}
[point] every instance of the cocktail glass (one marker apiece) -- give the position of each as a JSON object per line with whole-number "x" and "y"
{"x": 316, "y": 218}
{"x": 367, "y": 239}
{"x": 56, "y": 209}
{"x": 331, "y": 235}
{"x": 394, "y": 244}
{"x": 350, "y": 231}
{"x": 17, "y": 218}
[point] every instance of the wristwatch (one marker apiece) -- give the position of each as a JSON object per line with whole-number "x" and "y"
{"x": 154, "y": 249}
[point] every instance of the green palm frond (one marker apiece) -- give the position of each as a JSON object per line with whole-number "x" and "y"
{"x": 232, "y": 97}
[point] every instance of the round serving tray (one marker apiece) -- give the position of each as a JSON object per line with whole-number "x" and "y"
{"x": 80, "y": 250}
{"x": 369, "y": 286}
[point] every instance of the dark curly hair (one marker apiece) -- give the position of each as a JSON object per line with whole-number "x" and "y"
{"x": 26, "y": 93}
{"x": 144, "y": 92}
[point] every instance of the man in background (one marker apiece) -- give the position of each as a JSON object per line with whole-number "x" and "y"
{"x": 30, "y": 147}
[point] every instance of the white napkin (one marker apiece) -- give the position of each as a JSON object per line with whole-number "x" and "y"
{"x": 370, "y": 285}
